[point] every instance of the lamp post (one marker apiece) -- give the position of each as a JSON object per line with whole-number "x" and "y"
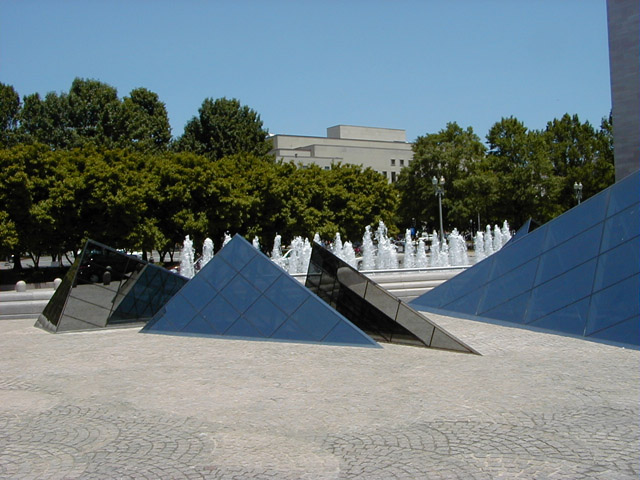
{"x": 577, "y": 190}
{"x": 438, "y": 186}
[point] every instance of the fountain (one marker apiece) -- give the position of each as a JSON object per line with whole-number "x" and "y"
{"x": 227, "y": 239}
{"x": 186, "y": 258}
{"x": 276, "y": 253}
{"x": 337, "y": 246}
{"x": 421, "y": 254}
{"x": 207, "y": 252}
{"x": 256, "y": 243}
{"x": 368, "y": 250}
{"x": 457, "y": 249}
{"x": 349, "y": 255}
{"x": 478, "y": 247}
{"x": 409, "y": 251}
{"x": 387, "y": 258}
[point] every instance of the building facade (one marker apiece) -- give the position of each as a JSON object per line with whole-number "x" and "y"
{"x": 385, "y": 150}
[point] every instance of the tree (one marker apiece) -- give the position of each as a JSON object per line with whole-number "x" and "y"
{"x": 224, "y": 127}
{"x": 581, "y": 154}
{"x": 9, "y": 113}
{"x": 526, "y": 186}
{"x": 140, "y": 122}
{"x": 451, "y": 153}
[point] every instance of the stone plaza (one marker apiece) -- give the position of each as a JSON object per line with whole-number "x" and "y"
{"x": 118, "y": 404}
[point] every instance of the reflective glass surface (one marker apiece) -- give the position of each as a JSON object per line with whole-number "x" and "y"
{"x": 613, "y": 305}
{"x": 586, "y": 280}
{"x": 569, "y": 254}
{"x": 261, "y": 301}
{"x": 618, "y": 264}
{"x": 368, "y": 306}
{"x": 107, "y": 287}
{"x": 621, "y": 227}
{"x": 577, "y": 220}
{"x": 509, "y": 286}
{"x": 570, "y": 319}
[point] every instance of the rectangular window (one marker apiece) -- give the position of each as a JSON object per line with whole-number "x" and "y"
{"x": 393, "y": 162}
{"x": 401, "y": 162}
{"x": 385, "y": 174}
{"x": 393, "y": 177}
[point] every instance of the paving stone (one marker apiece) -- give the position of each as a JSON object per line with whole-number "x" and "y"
{"x": 117, "y": 404}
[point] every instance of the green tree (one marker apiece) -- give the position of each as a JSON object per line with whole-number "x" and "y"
{"x": 450, "y": 153}
{"x": 526, "y": 185}
{"x": 579, "y": 153}
{"x": 140, "y": 122}
{"x": 224, "y": 127}
{"x": 9, "y": 114}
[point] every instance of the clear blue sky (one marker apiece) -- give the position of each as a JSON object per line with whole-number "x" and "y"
{"x": 307, "y": 65}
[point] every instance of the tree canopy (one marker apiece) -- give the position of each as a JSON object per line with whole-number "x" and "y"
{"x": 224, "y": 127}
{"x": 88, "y": 164}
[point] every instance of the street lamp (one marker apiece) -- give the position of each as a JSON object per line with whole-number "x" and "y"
{"x": 438, "y": 186}
{"x": 577, "y": 190}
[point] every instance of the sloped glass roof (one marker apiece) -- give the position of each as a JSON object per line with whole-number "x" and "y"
{"x": 105, "y": 287}
{"x": 577, "y": 274}
{"x": 370, "y": 307}
{"x": 241, "y": 293}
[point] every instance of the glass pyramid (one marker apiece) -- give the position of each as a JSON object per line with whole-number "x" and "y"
{"x": 105, "y": 287}
{"x": 374, "y": 310}
{"x": 577, "y": 274}
{"x": 241, "y": 293}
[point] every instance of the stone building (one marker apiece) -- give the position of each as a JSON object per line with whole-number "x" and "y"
{"x": 385, "y": 150}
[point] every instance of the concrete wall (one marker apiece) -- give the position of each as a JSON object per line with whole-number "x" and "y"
{"x": 624, "y": 62}
{"x": 384, "y": 156}
{"x": 367, "y": 133}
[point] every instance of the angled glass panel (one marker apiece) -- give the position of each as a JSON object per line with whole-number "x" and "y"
{"x": 627, "y": 331}
{"x": 512, "y": 256}
{"x": 444, "y": 341}
{"x": 624, "y": 193}
{"x": 316, "y": 318}
{"x": 352, "y": 280}
{"x": 265, "y": 316}
{"x": 415, "y": 323}
{"x": 509, "y": 286}
{"x": 217, "y": 272}
{"x": 621, "y": 227}
{"x": 459, "y": 287}
{"x": 577, "y": 220}
{"x": 618, "y": 264}
{"x": 287, "y": 294}
{"x": 198, "y": 292}
{"x": 237, "y": 252}
{"x": 175, "y": 315}
{"x": 243, "y": 328}
{"x": 468, "y": 303}
{"x": 569, "y": 254}
{"x": 614, "y": 304}
{"x": 571, "y": 319}
{"x": 199, "y": 326}
{"x": 261, "y": 272}
{"x": 346, "y": 334}
{"x": 382, "y": 300}
{"x": 562, "y": 290}
{"x": 240, "y": 293}
{"x": 53, "y": 310}
{"x": 290, "y": 330}
{"x": 220, "y": 314}
{"x": 512, "y": 311}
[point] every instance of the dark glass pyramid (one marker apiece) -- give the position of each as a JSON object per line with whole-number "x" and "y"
{"x": 374, "y": 310}
{"x": 105, "y": 287}
{"x": 577, "y": 274}
{"x": 241, "y": 293}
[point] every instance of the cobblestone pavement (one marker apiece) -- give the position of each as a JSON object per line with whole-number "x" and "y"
{"x": 119, "y": 404}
